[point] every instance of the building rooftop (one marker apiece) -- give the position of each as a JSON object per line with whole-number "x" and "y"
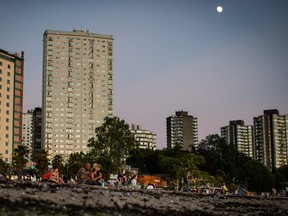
{"x": 79, "y": 33}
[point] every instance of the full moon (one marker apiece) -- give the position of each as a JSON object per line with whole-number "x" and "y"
{"x": 219, "y": 9}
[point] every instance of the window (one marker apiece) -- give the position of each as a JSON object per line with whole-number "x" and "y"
{"x": 6, "y": 143}
{"x": 7, "y": 104}
{"x": 8, "y": 66}
{"x": 8, "y": 73}
{"x": 6, "y": 151}
{"x": 0, "y": 63}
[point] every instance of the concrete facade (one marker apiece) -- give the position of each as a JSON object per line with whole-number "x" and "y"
{"x": 271, "y": 139}
{"x": 77, "y": 88}
{"x": 240, "y": 136}
{"x": 146, "y": 138}
{"x": 27, "y": 131}
{"x": 11, "y": 102}
{"x": 182, "y": 129}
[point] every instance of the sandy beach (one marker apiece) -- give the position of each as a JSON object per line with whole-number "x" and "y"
{"x": 49, "y": 199}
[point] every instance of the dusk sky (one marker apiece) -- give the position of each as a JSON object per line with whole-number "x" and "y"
{"x": 168, "y": 55}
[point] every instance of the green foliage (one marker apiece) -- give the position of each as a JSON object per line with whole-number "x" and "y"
{"x": 19, "y": 159}
{"x": 257, "y": 176}
{"x": 75, "y": 162}
{"x": 178, "y": 167}
{"x": 144, "y": 159}
{"x": 58, "y": 162}
{"x": 213, "y": 162}
{"x": 175, "y": 163}
{"x": 224, "y": 161}
{"x": 4, "y": 167}
{"x": 113, "y": 142}
{"x": 41, "y": 159}
{"x": 281, "y": 177}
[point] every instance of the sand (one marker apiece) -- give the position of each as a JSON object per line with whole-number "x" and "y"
{"x": 72, "y": 199}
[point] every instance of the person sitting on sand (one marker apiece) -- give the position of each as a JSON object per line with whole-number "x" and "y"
{"x": 54, "y": 177}
{"x": 150, "y": 186}
{"x": 124, "y": 180}
{"x": 96, "y": 175}
{"x": 119, "y": 179}
{"x": 83, "y": 175}
{"x": 133, "y": 181}
{"x": 46, "y": 176}
{"x": 242, "y": 191}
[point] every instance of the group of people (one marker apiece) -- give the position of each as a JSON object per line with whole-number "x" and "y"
{"x": 90, "y": 176}
{"x": 52, "y": 176}
{"x": 93, "y": 176}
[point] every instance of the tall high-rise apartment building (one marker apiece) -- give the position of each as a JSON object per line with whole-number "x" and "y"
{"x": 271, "y": 139}
{"x": 37, "y": 127}
{"x": 11, "y": 102}
{"x": 182, "y": 129}
{"x": 27, "y": 131}
{"x": 77, "y": 88}
{"x": 240, "y": 136}
{"x": 146, "y": 138}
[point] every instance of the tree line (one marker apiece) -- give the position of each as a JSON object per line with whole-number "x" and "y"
{"x": 213, "y": 162}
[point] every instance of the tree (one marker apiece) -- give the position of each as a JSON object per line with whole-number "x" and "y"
{"x": 57, "y": 162}
{"x": 224, "y": 162}
{"x": 75, "y": 162}
{"x": 3, "y": 166}
{"x": 113, "y": 142}
{"x": 281, "y": 177}
{"x": 178, "y": 167}
{"x": 19, "y": 159}
{"x": 41, "y": 159}
{"x": 257, "y": 176}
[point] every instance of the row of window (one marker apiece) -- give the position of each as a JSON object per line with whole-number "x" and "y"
{"x": 8, "y": 66}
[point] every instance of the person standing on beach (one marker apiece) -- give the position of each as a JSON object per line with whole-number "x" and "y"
{"x": 224, "y": 189}
{"x": 187, "y": 182}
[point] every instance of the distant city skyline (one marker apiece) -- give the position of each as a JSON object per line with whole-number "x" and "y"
{"x": 177, "y": 55}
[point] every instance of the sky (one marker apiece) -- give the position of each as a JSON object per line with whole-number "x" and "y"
{"x": 168, "y": 55}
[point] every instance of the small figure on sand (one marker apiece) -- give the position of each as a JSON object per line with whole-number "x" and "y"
{"x": 224, "y": 189}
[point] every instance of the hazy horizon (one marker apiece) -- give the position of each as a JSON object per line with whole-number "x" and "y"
{"x": 177, "y": 55}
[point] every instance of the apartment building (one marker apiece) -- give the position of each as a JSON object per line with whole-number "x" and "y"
{"x": 271, "y": 139}
{"x": 240, "y": 136}
{"x": 77, "y": 88}
{"x": 11, "y": 102}
{"x": 27, "y": 131}
{"x": 146, "y": 138}
{"x": 182, "y": 129}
